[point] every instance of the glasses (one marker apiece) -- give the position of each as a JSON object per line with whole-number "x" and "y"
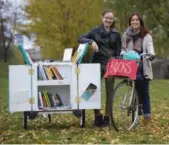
{"x": 109, "y": 18}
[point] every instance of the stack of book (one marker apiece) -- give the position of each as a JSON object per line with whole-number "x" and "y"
{"x": 49, "y": 73}
{"x": 47, "y": 100}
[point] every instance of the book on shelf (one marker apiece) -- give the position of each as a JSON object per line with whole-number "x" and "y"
{"x": 51, "y": 99}
{"x": 40, "y": 76}
{"x": 49, "y": 73}
{"x": 48, "y": 100}
{"x": 44, "y": 100}
{"x": 45, "y": 71}
{"x": 57, "y": 100}
{"x": 80, "y": 52}
{"x": 41, "y": 73}
{"x": 54, "y": 74}
{"x": 41, "y": 104}
{"x": 57, "y": 73}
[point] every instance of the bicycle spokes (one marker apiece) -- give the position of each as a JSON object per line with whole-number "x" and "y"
{"x": 125, "y": 106}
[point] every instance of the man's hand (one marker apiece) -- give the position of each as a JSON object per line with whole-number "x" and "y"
{"x": 95, "y": 46}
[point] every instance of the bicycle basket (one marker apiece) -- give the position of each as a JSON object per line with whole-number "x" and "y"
{"x": 121, "y": 68}
{"x": 131, "y": 55}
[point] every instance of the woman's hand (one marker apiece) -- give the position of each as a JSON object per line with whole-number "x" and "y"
{"x": 95, "y": 46}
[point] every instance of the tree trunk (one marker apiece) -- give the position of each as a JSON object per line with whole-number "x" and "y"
{"x": 6, "y": 55}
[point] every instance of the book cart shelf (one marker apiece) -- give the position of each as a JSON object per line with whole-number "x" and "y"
{"x": 53, "y": 87}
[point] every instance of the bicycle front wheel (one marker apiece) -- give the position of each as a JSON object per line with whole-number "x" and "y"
{"x": 124, "y": 106}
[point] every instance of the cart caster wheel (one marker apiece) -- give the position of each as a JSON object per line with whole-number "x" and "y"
{"x": 49, "y": 117}
{"x": 25, "y": 120}
{"x": 82, "y": 119}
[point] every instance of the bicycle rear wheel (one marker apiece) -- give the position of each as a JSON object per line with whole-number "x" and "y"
{"x": 124, "y": 106}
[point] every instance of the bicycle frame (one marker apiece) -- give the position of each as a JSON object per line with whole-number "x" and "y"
{"x": 131, "y": 96}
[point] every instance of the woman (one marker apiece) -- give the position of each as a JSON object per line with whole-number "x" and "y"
{"x": 106, "y": 43}
{"x": 137, "y": 37}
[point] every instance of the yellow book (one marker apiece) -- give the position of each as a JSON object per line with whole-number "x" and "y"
{"x": 51, "y": 74}
{"x": 48, "y": 73}
{"x": 75, "y": 56}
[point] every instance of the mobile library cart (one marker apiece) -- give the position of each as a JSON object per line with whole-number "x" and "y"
{"x": 54, "y": 87}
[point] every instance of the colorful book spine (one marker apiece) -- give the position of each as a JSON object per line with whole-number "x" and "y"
{"x": 44, "y": 100}
{"x": 84, "y": 51}
{"x": 50, "y": 99}
{"x": 42, "y": 72}
{"x": 41, "y": 100}
{"x": 60, "y": 100}
{"x": 58, "y": 75}
{"x": 49, "y": 73}
{"x": 80, "y": 52}
{"x": 53, "y": 72}
{"x": 47, "y": 100}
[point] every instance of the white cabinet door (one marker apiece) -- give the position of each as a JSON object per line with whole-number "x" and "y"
{"x": 20, "y": 81}
{"x": 89, "y": 76}
{"x": 73, "y": 87}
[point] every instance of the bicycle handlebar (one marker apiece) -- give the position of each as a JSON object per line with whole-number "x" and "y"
{"x": 147, "y": 56}
{"x": 143, "y": 55}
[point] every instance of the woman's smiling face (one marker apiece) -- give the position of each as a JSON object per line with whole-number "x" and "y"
{"x": 135, "y": 22}
{"x": 107, "y": 19}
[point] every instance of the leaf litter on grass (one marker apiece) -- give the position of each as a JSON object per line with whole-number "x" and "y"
{"x": 65, "y": 128}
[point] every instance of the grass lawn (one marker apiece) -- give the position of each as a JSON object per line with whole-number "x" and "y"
{"x": 65, "y": 129}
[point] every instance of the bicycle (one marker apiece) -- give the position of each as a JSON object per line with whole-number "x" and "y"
{"x": 127, "y": 102}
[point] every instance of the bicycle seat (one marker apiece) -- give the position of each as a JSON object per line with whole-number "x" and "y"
{"x": 131, "y": 55}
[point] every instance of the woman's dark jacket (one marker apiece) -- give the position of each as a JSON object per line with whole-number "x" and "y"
{"x": 109, "y": 43}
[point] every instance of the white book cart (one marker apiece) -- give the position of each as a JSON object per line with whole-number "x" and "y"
{"x": 24, "y": 88}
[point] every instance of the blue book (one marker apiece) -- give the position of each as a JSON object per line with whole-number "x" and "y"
{"x": 84, "y": 51}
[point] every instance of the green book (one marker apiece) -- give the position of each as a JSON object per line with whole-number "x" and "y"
{"x": 47, "y": 99}
{"x": 25, "y": 55}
